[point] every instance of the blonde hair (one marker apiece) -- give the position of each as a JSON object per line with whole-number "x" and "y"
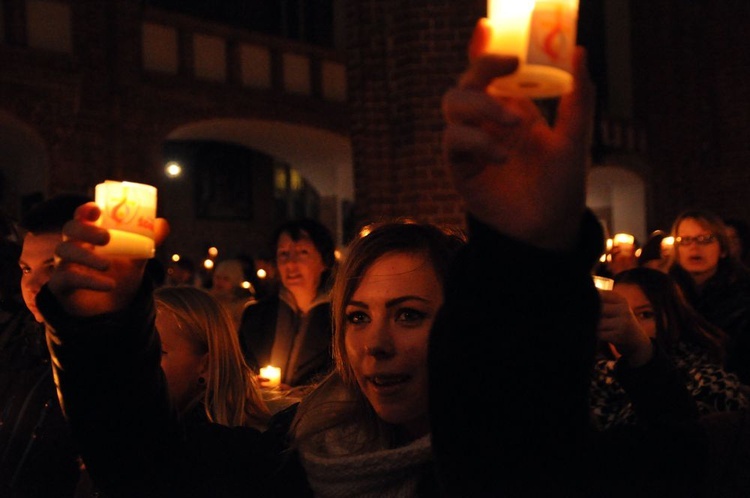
{"x": 232, "y": 396}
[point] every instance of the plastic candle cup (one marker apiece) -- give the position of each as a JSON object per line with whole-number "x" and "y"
{"x": 625, "y": 242}
{"x": 128, "y": 213}
{"x": 603, "y": 283}
{"x": 542, "y": 34}
{"x": 272, "y": 375}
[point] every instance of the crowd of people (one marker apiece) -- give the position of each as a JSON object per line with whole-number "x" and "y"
{"x": 429, "y": 361}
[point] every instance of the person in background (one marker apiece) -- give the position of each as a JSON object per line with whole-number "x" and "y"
{"x": 37, "y": 455}
{"x": 652, "y": 255}
{"x": 364, "y": 429}
{"x": 182, "y": 272}
{"x": 204, "y": 366}
{"x": 647, "y": 303}
{"x": 714, "y": 282}
{"x": 738, "y": 233}
{"x": 291, "y": 329}
{"x": 227, "y": 287}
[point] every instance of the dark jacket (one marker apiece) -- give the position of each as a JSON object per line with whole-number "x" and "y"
{"x": 37, "y": 455}
{"x": 258, "y": 332}
{"x": 116, "y": 401}
{"x": 724, "y": 300}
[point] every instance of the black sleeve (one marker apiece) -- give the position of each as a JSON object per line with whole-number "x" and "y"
{"x": 510, "y": 361}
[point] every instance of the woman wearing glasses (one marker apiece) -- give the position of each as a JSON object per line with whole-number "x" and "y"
{"x": 714, "y": 282}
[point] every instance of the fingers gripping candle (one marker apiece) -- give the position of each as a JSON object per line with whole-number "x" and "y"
{"x": 128, "y": 212}
{"x": 541, "y": 33}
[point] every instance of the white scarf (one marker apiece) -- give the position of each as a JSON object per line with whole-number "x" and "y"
{"x": 381, "y": 473}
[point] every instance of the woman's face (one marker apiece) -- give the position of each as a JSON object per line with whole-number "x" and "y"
{"x": 640, "y": 305}
{"x": 698, "y": 259}
{"x": 181, "y": 361}
{"x": 388, "y": 321}
{"x": 299, "y": 262}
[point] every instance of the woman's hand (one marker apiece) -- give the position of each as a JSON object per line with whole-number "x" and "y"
{"x": 87, "y": 283}
{"x": 516, "y": 172}
{"x": 619, "y": 327}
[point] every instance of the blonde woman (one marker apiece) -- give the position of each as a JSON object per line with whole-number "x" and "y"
{"x": 202, "y": 361}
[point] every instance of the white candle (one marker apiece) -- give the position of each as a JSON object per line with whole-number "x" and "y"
{"x": 272, "y": 375}
{"x": 603, "y": 283}
{"x": 541, "y": 33}
{"x": 128, "y": 212}
{"x": 625, "y": 242}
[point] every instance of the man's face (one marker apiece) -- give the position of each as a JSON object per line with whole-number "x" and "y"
{"x": 37, "y": 263}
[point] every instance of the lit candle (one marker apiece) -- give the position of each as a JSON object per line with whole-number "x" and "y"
{"x": 625, "y": 242}
{"x": 603, "y": 283}
{"x": 272, "y": 375}
{"x": 541, "y": 33}
{"x": 128, "y": 213}
{"x": 667, "y": 244}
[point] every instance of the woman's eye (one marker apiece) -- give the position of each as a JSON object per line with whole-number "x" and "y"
{"x": 645, "y": 315}
{"x": 357, "y": 317}
{"x": 410, "y": 316}
{"x": 25, "y": 270}
{"x": 163, "y": 353}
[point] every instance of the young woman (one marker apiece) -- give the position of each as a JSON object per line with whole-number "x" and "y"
{"x": 206, "y": 372}
{"x": 651, "y": 301}
{"x": 714, "y": 282}
{"x": 364, "y": 430}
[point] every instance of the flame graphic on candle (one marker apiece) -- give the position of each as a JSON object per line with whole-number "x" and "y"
{"x": 555, "y": 40}
{"x": 123, "y": 210}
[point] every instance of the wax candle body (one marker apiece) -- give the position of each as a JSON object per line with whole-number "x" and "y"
{"x": 542, "y": 35}
{"x": 128, "y": 212}
{"x": 272, "y": 374}
{"x": 625, "y": 242}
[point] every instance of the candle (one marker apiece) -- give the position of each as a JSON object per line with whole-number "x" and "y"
{"x": 603, "y": 283}
{"x": 272, "y": 375}
{"x": 541, "y": 33}
{"x": 128, "y": 212}
{"x": 667, "y": 244}
{"x": 625, "y": 242}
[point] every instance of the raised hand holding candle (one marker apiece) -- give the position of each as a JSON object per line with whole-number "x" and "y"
{"x": 272, "y": 375}
{"x": 128, "y": 212}
{"x": 542, "y": 34}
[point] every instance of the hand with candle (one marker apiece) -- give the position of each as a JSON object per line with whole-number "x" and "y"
{"x": 87, "y": 283}
{"x": 517, "y": 173}
{"x": 619, "y": 327}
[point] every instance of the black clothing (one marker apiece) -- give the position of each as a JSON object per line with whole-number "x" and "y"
{"x": 724, "y": 300}
{"x": 258, "y": 331}
{"x": 530, "y": 344}
{"x": 115, "y": 397}
{"x": 37, "y": 454}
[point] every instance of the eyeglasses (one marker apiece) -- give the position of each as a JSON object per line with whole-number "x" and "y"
{"x": 701, "y": 240}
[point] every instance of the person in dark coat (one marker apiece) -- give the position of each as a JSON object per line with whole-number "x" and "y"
{"x": 37, "y": 455}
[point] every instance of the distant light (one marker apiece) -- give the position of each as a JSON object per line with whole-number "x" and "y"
{"x": 213, "y": 252}
{"x": 173, "y": 169}
{"x": 261, "y": 273}
{"x": 365, "y": 231}
{"x": 246, "y": 284}
{"x": 638, "y": 252}
{"x": 175, "y": 257}
{"x": 337, "y": 255}
{"x": 208, "y": 264}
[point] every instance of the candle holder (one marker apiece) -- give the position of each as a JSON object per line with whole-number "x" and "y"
{"x": 603, "y": 283}
{"x": 272, "y": 375}
{"x": 541, "y": 33}
{"x": 128, "y": 211}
